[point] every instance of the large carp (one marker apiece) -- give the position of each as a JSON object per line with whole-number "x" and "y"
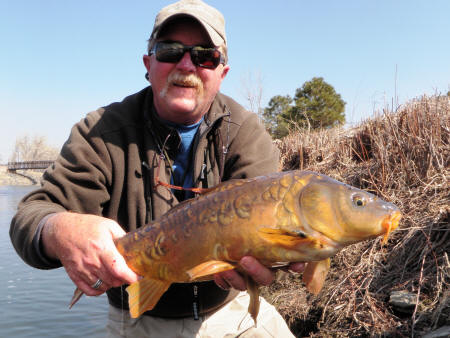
{"x": 295, "y": 216}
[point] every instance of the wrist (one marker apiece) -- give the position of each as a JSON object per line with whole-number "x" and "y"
{"x": 47, "y": 240}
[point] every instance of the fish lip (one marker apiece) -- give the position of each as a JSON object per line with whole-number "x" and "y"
{"x": 390, "y": 223}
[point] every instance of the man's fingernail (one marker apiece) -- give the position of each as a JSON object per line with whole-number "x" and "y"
{"x": 245, "y": 263}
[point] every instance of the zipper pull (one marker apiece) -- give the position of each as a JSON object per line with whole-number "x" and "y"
{"x": 203, "y": 171}
{"x": 225, "y": 150}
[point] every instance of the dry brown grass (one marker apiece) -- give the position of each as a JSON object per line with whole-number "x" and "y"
{"x": 403, "y": 157}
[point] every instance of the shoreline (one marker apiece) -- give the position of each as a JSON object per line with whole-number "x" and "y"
{"x": 19, "y": 179}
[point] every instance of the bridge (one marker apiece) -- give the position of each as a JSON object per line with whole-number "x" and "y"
{"x": 28, "y": 165}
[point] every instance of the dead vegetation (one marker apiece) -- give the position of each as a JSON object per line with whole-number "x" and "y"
{"x": 403, "y": 157}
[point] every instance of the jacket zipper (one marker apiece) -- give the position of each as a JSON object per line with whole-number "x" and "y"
{"x": 203, "y": 170}
{"x": 147, "y": 191}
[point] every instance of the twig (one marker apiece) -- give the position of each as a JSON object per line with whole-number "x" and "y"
{"x": 417, "y": 298}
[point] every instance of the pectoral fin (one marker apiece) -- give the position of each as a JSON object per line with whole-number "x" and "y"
{"x": 144, "y": 294}
{"x": 284, "y": 238}
{"x": 315, "y": 274}
{"x": 208, "y": 268}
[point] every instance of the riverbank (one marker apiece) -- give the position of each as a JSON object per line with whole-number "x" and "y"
{"x": 404, "y": 157}
{"x": 21, "y": 178}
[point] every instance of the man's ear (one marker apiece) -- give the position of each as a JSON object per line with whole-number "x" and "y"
{"x": 146, "y": 59}
{"x": 225, "y": 70}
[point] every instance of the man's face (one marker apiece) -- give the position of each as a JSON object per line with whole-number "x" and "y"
{"x": 182, "y": 91}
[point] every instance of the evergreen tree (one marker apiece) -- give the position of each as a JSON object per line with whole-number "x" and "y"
{"x": 277, "y": 126}
{"x": 315, "y": 105}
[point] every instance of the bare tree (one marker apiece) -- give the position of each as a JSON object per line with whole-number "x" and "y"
{"x": 33, "y": 149}
{"x": 252, "y": 90}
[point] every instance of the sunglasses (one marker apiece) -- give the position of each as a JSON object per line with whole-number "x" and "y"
{"x": 172, "y": 52}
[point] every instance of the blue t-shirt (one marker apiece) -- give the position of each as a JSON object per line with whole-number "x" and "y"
{"x": 182, "y": 165}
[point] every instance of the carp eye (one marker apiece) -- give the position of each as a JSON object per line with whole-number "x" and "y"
{"x": 359, "y": 201}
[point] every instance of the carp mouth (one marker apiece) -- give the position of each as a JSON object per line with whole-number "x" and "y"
{"x": 390, "y": 223}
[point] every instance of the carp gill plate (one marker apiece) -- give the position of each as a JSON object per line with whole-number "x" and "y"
{"x": 294, "y": 216}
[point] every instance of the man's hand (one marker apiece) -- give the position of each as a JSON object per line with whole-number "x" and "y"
{"x": 260, "y": 274}
{"x": 85, "y": 246}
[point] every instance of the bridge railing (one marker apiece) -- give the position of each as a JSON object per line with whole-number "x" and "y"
{"x": 26, "y": 165}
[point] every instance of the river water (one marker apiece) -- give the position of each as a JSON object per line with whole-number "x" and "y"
{"x": 34, "y": 303}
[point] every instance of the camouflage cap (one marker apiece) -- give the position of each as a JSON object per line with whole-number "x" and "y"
{"x": 209, "y": 17}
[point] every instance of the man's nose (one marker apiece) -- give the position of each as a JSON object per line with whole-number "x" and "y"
{"x": 186, "y": 63}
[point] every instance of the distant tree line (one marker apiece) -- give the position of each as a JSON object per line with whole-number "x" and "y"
{"x": 33, "y": 149}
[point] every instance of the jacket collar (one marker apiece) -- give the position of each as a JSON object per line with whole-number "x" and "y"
{"x": 217, "y": 111}
{"x": 161, "y": 132}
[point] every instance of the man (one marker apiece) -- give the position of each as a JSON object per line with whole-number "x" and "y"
{"x": 103, "y": 182}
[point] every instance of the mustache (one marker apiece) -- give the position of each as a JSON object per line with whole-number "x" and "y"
{"x": 189, "y": 80}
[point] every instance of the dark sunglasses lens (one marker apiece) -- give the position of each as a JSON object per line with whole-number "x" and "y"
{"x": 173, "y": 52}
{"x": 205, "y": 57}
{"x": 169, "y": 52}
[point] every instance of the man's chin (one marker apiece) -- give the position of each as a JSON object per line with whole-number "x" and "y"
{"x": 184, "y": 109}
{"x": 180, "y": 91}
{"x": 184, "y": 112}
{"x": 183, "y": 106}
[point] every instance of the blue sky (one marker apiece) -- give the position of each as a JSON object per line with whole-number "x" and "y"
{"x": 62, "y": 59}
